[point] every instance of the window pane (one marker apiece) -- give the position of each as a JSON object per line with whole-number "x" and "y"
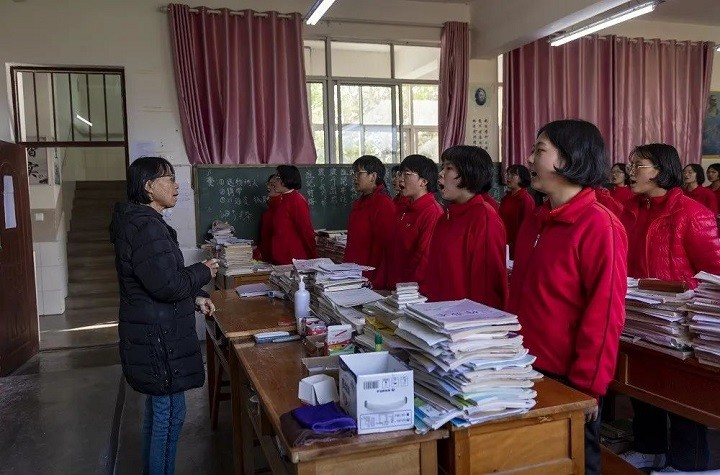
{"x": 424, "y": 104}
{"x": 360, "y": 60}
{"x": 427, "y": 144}
{"x": 97, "y": 107}
{"x": 63, "y": 114}
{"x": 314, "y": 53}
{"x": 350, "y": 104}
{"x": 81, "y": 116}
{"x": 417, "y": 62}
{"x": 26, "y": 99}
{"x": 378, "y": 142}
{"x": 376, "y": 105}
{"x": 350, "y": 143}
{"x": 406, "y": 103}
{"x": 113, "y": 88}
{"x": 317, "y": 118}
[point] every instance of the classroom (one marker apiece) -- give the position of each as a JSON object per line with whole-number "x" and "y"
{"x": 264, "y": 178}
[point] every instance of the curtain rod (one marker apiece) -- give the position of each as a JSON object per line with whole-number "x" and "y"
{"x": 165, "y": 9}
{"x": 636, "y": 39}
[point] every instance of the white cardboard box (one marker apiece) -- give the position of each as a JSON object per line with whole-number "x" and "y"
{"x": 377, "y": 390}
{"x": 317, "y": 389}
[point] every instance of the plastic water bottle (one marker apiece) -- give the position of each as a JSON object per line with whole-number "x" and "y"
{"x": 302, "y": 306}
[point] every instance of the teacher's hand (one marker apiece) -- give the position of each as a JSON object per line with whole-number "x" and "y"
{"x": 205, "y": 306}
{"x": 212, "y": 264}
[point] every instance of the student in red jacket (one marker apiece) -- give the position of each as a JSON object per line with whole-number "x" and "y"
{"x": 517, "y": 204}
{"x": 467, "y": 251}
{"x": 487, "y": 197}
{"x": 693, "y": 178}
{"x": 407, "y": 252}
{"x": 292, "y": 235}
{"x": 605, "y": 198}
{"x": 400, "y": 201}
{"x": 621, "y": 180}
{"x": 569, "y": 278}
{"x": 264, "y": 249}
{"x": 713, "y": 176}
{"x": 672, "y": 237}
{"x": 372, "y": 215}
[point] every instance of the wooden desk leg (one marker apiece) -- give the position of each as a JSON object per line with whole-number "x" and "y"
{"x": 428, "y": 458}
{"x": 243, "y": 461}
{"x": 215, "y": 400}
{"x": 577, "y": 441}
{"x": 211, "y": 362}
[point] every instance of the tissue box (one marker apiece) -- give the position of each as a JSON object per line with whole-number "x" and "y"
{"x": 377, "y": 390}
{"x": 317, "y": 389}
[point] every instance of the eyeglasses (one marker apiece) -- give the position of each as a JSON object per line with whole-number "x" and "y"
{"x": 409, "y": 173}
{"x": 359, "y": 172}
{"x": 634, "y": 166}
{"x": 172, "y": 177}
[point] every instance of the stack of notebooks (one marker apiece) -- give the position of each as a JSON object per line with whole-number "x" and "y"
{"x": 656, "y": 318}
{"x": 469, "y": 363}
{"x": 331, "y": 244}
{"x": 282, "y": 277}
{"x": 704, "y": 319}
{"x": 236, "y": 258}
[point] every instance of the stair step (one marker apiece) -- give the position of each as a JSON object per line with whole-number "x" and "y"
{"x": 88, "y": 236}
{"x": 102, "y": 185}
{"x": 99, "y": 274}
{"x": 93, "y": 301}
{"x": 83, "y": 226}
{"x": 90, "y": 288}
{"x": 90, "y": 248}
{"x": 90, "y": 263}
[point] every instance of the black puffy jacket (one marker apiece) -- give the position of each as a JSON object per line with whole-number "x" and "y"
{"x": 159, "y": 348}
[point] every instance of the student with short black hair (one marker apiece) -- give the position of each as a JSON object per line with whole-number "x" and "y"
{"x": 292, "y": 235}
{"x": 517, "y": 204}
{"x": 693, "y": 179}
{"x": 570, "y": 273}
{"x": 467, "y": 251}
{"x": 620, "y": 191}
{"x": 487, "y": 197}
{"x": 406, "y": 256}
{"x": 400, "y": 201}
{"x": 371, "y": 216}
{"x": 713, "y": 176}
{"x": 264, "y": 247}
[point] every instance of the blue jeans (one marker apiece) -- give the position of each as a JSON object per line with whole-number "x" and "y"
{"x": 164, "y": 417}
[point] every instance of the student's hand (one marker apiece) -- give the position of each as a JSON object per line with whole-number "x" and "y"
{"x": 205, "y": 306}
{"x": 212, "y": 264}
{"x": 592, "y": 414}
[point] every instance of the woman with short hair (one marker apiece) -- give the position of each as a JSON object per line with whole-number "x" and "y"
{"x": 693, "y": 178}
{"x": 713, "y": 176}
{"x": 620, "y": 191}
{"x": 517, "y": 203}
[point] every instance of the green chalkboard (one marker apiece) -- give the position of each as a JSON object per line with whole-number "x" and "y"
{"x": 236, "y": 194}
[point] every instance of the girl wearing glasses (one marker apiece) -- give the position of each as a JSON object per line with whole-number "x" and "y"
{"x": 371, "y": 216}
{"x": 621, "y": 180}
{"x": 517, "y": 204}
{"x": 671, "y": 237}
{"x": 569, "y": 278}
{"x": 407, "y": 253}
{"x": 693, "y": 178}
{"x": 713, "y": 176}
{"x": 293, "y": 236}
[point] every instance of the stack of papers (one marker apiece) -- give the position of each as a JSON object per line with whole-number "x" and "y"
{"x": 658, "y": 320}
{"x": 281, "y": 276}
{"x": 331, "y": 244}
{"x": 404, "y": 295}
{"x": 469, "y": 363}
{"x": 253, "y": 290}
{"x": 236, "y": 257}
{"x": 704, "y": 319}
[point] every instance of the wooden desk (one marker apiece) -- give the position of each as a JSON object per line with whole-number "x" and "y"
{"x": 237, "y": 320}
{"x": 224, "y": 282}
{"x": 683, "y": 387}
{"x": 549, "y": 439}
{"x": 273, "y": 370}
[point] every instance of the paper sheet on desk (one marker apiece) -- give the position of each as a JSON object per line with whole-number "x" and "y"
{"x": 253, "y": 290}
{"x": 354, "y": 297}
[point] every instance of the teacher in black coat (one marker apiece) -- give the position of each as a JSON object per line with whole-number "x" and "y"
{"x": 159, "y": 349}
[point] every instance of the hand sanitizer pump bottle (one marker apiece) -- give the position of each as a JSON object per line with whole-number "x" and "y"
{"x": 302, "y": 306}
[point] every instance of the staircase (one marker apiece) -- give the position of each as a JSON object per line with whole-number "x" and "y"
{"x": 92, "y": 281}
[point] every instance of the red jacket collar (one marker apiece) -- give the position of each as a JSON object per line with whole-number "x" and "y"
{"x": 570, "y": 211}
{"x": 670, "y": 202}
{"x": 517, "y": 195}
{"x": 423, "y": 202}
{"x": 274, "y": 201}
{"x": 458, "y": 209}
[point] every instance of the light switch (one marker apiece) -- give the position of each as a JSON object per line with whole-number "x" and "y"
{"x": 39, "y": 216}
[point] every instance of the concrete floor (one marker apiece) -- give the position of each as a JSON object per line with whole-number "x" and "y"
{"x": 79, "y": 328}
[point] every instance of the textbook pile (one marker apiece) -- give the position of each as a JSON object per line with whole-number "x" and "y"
{"x": 331, "y": 244}
{"x": 656, "y": 318}
{"x": 704, "y": 319}
{"x": 469, "y": 363}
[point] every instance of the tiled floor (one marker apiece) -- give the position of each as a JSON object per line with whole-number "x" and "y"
{"x": 79, "y": 328}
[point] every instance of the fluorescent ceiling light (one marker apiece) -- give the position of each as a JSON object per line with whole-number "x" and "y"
{"x": 317, "y": 11}
{"x": 83, "y": 119}
{"x": 619, "y": 17}
{"x": 718, "y": 48}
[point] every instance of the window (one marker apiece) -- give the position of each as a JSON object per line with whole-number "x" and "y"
{"x": 372, "y": 98}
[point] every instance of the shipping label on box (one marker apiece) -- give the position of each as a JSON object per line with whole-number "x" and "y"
{"x": 377, "y": 390}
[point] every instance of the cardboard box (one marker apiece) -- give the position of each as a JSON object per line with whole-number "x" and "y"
{"x": 317, "y": 389}
{"x": 321, "y": 365}
{"x": 377, "y": 390}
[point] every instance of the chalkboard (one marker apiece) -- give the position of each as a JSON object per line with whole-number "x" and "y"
{"x": 237, "y": 193}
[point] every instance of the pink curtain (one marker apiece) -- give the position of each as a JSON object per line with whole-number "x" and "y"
{"x": 544, "y": 83}
{"x": 241, "y": 90}
{"x": 661, "y": 91}
{"x": 452, "y": 104}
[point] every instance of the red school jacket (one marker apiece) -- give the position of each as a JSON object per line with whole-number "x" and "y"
{"x": 467, "y": 256}
{"x": 717, "y": 196}
{"x": 622, "y": 194}
{"x": 671, "y": 238}
{"x": 568, "y": 290}
{"x": 266, "y": 223}
{"x": 514, "y": 208}
{"x": 490, "y": 200}
{"x": 401, "y": 202}
{"x": 293, "y": 236}
{"x": 605, "y": 198}
{"x": 703, "y": 196}
{"x": 406, "y": 255}
{"x": 369, "y": 227}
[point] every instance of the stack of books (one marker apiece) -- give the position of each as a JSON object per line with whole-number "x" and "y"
{"x": 236, "y": 258}
{"x": 405, "y": 294}
{"x": 331, "y": 244}
{"x": 704, "y": 319}
{"x": 657, "y": 319}
{"x": 469, "y": 363}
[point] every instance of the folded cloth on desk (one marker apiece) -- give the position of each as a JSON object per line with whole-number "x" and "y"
{"x": 324, "y": 418}
{"x": 298, "y": 436}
